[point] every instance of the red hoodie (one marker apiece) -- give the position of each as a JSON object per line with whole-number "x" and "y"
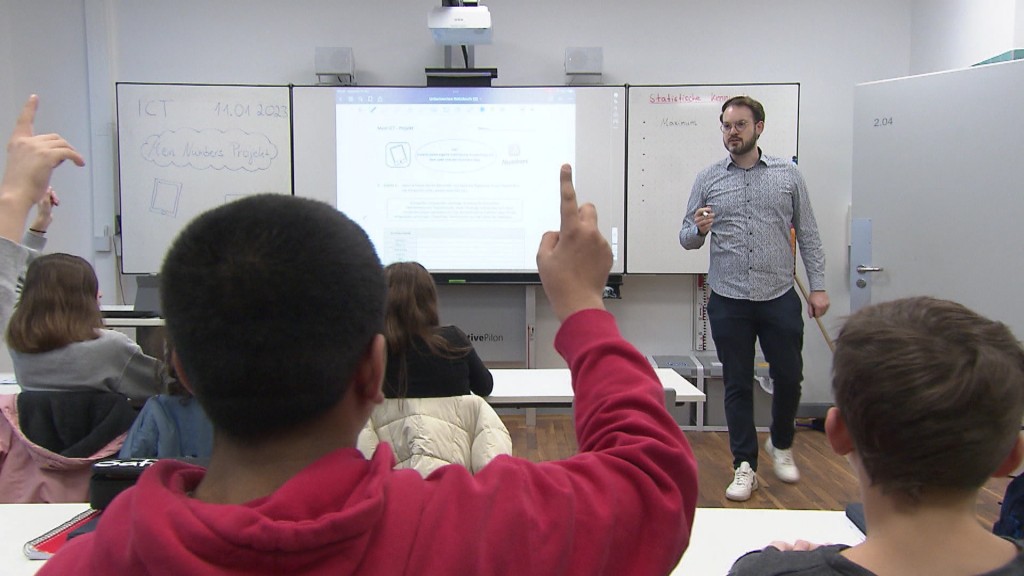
{"x": 624, "y": 505}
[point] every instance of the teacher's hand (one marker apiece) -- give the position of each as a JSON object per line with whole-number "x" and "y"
{"x": 817, "y": 303}
{"x": 704, "y": 217}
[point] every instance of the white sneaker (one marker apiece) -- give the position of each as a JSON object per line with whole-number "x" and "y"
{"x": 782, "y": 462}
{"x": 744, "y": 482}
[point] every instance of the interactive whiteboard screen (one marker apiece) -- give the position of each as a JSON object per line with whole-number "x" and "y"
{"x": 462, "y": 180}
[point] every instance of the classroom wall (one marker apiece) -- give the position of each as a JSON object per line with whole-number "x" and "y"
{"x": 6, "y": 64}
{"x": 951, "y": 34}
{"x": 1018, "y": 31}
{"x": 828, "y": 46}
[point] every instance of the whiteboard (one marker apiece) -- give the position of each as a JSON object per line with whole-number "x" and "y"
{"x": 184, "y": 149}
{"x": 936, "y": 174}
{"x": 672, "y": 134}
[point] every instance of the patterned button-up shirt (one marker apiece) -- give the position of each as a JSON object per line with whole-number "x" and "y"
{"x": 751, "y": 257}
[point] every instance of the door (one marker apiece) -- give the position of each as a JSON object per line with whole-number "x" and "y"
{"x": 938, "y": 190}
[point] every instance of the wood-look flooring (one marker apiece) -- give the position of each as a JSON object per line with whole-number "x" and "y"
{"x": 827, "y": 482}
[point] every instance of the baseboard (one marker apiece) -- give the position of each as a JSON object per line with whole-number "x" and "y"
{"x": 813, "y": 410}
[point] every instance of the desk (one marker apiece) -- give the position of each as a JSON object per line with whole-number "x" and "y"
{"x": 149, "y": 333}
{"x": 720, "y": 535}
{"x": 8, "y": 383}
{"x": 533, "y": 388}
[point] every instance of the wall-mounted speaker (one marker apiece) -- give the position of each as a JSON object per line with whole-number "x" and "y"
{"x": 334, "y": 65}
{"x": 584, "y": 60}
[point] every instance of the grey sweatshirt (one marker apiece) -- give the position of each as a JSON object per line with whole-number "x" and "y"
{"x": 12, "y": 261}
{"x": 111, "y": 363}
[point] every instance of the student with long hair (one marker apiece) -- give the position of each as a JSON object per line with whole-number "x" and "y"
{"x": 426, "y": 360}
{"x": 57, "y": 340}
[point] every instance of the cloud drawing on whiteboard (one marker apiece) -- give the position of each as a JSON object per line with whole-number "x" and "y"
{"x": 210, "y": 149}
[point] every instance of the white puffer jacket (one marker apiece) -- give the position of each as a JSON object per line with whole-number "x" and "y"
{"x": 427, "y": 433}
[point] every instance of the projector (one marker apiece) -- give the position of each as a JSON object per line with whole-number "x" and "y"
{"x": 455, "y": 25}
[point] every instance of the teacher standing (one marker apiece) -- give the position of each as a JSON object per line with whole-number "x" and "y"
{"x": 748, "y": 202}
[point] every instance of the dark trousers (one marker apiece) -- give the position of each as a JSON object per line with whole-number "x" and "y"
{"x": 735, "y": 326}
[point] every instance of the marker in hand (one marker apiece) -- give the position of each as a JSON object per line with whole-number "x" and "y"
{"x": 704, "y": 220}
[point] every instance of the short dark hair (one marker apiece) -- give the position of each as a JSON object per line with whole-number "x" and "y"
{"x": 931, "y": 393}
{"x": 271, "y": 301}
{"x": 755, "y": 107}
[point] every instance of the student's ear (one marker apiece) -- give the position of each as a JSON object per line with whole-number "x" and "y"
{"x": 179, "y": 373}
{"x": 837, "y": 433}
{"x": 1013, "y": 459}
{"x": 368, "y": 380}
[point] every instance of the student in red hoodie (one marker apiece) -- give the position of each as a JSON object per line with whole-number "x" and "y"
{"x": 276, "y": 306}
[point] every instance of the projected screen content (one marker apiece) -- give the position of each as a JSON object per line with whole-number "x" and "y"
{"x": 462, "y": 180}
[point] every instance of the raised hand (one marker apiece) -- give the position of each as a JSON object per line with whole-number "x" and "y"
{"x": 31, "y": 159}
{"x": 574, "y": 262}
{"x": 44, "y": 211}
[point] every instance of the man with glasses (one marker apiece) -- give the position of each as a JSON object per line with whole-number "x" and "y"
{"x": 749, "y": 202}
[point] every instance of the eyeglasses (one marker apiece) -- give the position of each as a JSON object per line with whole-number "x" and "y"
{"x": 739, "y": 126}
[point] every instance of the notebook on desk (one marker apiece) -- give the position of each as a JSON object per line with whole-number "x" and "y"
{"x": 46, "y": 545}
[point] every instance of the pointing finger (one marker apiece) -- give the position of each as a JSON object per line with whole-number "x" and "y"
{"x": 569, "y": 209}
{"x": 23, "y": 127}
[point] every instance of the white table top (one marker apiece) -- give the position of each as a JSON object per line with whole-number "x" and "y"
{"x": 8, "y": 383}
{"x": 719, "y": 537}
{"x": 132, "y": 322}
{"x": 554, "y": 385}
{"x": 517, "y": 386}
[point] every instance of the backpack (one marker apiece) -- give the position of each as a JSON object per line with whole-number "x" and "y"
{"x": 1011, "y": 513}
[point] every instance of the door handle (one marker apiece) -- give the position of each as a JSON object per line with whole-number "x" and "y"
{"x": 862, "y": 269}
